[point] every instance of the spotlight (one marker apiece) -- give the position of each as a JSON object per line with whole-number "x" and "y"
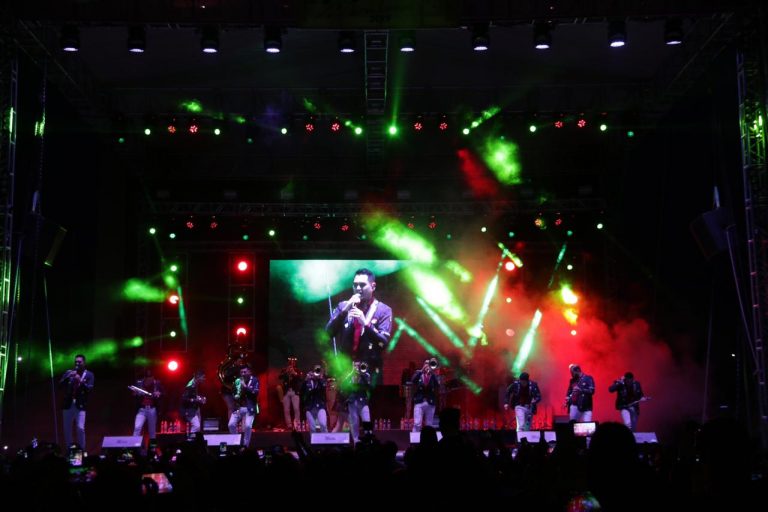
{"x": 673, "y": 32}
{"x": 209, "y": 40}
{"x": 347, "y": 42}
{"x": 172, "y": 365}
{"x": 309, "y": 124}
{"x": 407, "y": 42}
{"x": 581, "y": 123}
{"x": 480, "y": 38}
{"x": 194, "y": 127}
{"x": 273, "y": 40}
{"x": 336, "y": 126}
{"x": 542, "y": 35}
{"x": 559, "y": 123}
{"x": 443, "y": 123}
{"x": 418, "y": 124}
{"x": 137, "y": 39}
{"x": 70, "y": 38}
{"x": 617, "y": 34}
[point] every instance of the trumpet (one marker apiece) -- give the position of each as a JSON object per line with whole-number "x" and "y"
{"x": 433, "y": 364}
{"x": 362, "y": 367}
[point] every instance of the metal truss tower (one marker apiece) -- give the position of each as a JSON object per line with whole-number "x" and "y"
{"x": 752, "y": 109}
{"x": 8, "y": 113}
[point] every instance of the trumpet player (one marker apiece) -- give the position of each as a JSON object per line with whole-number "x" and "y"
{"x": 425, "y": 389}
{"x": 246, "y": 396}
{"x": 77, "y": 384}
{"x": 313, "y": 394}
{"x": 358, "y": 396}
{"x": 291, "y": 380}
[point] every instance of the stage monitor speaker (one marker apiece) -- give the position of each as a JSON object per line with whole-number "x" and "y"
{"x": 646, "y": 437}
{"x": 217, "y": 439}
{"x": 534, "y": 436}
{"x": 416, "y": 437}
{"x": 210, "y": 424}
{"x": 329, "y": 438}
{"x": 709, "y": 231}
{"x": 122, "y": 442}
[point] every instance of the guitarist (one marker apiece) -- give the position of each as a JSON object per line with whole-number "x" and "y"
{"x": 629, "y": 394}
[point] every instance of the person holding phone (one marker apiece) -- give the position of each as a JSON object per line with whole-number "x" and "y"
{"x": 77, "y": 385}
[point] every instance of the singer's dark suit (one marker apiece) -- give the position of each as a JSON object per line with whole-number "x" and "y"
{"x": 374, "y": 338}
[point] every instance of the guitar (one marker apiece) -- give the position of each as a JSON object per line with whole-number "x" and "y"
{"x": 632, "y": 404}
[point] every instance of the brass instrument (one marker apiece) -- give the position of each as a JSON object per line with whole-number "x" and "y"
{"x": 235, "y": 353}
{"x": 362, "y": 367}
{"x": 433, "y": 364}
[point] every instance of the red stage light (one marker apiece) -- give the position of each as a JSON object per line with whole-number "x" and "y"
{"x": 581, "y": 123}
{"x": 173, "y": 299}
{"x": 317, "y": 225}
{"x": 558, "y": 124}
{"x": 345, "y": 227}
{"x": 410, "y": 225}
{"x": 190, "y": 224}
{"x": 171, "y": 128}
{"x": 241, "y": 331}
{"x": 242, "y": 265}
{"x": 172, "y": 365}
{"x": 432, "y": 225}
{"x": 194, "y": 128}
{"x": 214, "y": 224}
{"x": 509, "y": 266}
{"x": 335, "y": 126}
{"x": 418, "y": 126}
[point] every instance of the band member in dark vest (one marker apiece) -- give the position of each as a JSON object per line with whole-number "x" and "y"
{"x": 291, "y": 380}
{"x": 425, "y": 388}
{"x": 357, "y": 389}
{"x": 578, "y": 398}
{"x": 147, "y": 392}
{"x": 77, "y": 385}
{"x": 313, "y": 394}
{"x": 361, "y": 324}
{"x": 191, "y": 400}
{"x": 522, "y": 396}
{"x": 629, "y": 394}
{"x": 246, "y": 395}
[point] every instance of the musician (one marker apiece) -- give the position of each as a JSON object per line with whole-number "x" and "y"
{"x": 292, "y": 381}
{"x": 357, "y": 389}
{"x": 522, "y": 396}
{"x": 228, "y": 373}
{"x": 146, "y": 403}
{"x": 313, "y": 394}
{"x": 425, "y": 389}
{"x": 578, "y": 398}
{"x": 246, "y": 395}
{"x": 77, "y": 384}
{"x": 629, "y": 394}
{"x": 362, "y": 323}
{"x": 191, "y": 400}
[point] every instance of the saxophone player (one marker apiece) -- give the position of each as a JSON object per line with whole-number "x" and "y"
{"x": 246, "y": 396}
{"x": 313, "y": 394}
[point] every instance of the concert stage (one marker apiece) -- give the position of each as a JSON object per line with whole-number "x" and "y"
{"x": 268, "y": 438}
